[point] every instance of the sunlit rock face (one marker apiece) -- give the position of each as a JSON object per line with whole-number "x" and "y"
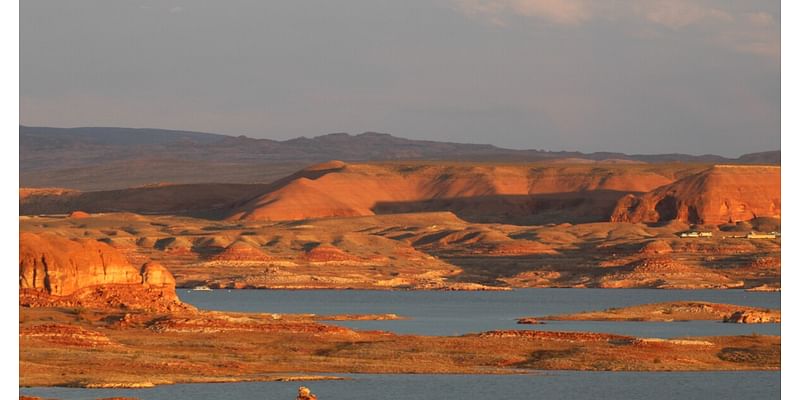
{"x": 57, "y": 271}
{"x": 61, "y": 266}
{"x": 719, "y": 195}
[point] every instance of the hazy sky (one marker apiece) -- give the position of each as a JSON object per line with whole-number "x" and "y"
{"x": 638, "y": 76}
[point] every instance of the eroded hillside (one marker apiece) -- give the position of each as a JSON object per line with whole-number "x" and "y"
{"x": 425, "y": 251}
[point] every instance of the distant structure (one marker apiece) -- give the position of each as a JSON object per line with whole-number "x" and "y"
{"x": 756, "y": 235}
{"x": 304, "y": 393}
{"x": 696, "y": 234}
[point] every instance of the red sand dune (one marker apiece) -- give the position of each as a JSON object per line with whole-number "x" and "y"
{"x": 718, "y": 195}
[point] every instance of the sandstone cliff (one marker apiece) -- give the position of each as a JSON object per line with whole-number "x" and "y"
{"x": 55, "y": 270}
{"x": 60, "y": 266}
{"x": 718, "y": 195}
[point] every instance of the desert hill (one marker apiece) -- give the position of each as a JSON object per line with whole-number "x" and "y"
{"x": 518, "y": 193}
{"x": 100, "y": 158}
{"x": 522, "y": 193}
{"x": 719, "y": 195}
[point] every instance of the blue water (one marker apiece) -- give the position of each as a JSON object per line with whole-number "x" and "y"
{"x": 572, "y": 385}
{"x": 456, "y": 313}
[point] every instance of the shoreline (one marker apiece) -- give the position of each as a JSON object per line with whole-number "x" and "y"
{"x": 105, "y": 348}
{"x": 674, "y": 311}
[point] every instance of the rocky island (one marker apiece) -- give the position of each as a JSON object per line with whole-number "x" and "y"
{"x": 670, "y": 312}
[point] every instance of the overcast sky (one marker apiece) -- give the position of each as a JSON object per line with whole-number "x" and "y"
{"x": 638, "y": 76}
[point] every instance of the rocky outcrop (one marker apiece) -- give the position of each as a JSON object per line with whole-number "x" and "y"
{"x": 719, "y": 195}
{"x": 78, "y": 214}
{"x": 241, "y": 252}
{"x": 478, "y": 241}
{"x": 764, "y": 288}
{"x": 304, "y": 393}
{"x": 66, "y": 335}
{"x": 174, "y": 245}
{"x": 57, "y": 271}
{"x": 529, "y": 321}
{"x": 61, "y": 266}
{"x": 328, "y": 253}
{"x": 672, "y": 311}
{"x": 656, "y": 247}
{"x": 155, "y": 275}
{"x": 664, "y": 272}
{"x": 753, "y": 317}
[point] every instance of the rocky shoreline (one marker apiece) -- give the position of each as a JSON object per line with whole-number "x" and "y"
{"x": 670, "y": 312}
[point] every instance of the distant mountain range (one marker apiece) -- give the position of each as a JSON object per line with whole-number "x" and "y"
{"x": 104, "y": 158}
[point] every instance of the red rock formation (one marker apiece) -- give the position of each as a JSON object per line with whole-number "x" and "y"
{"x": 768, "y": 262}
{"x": 78, "y": 214}
{"x": 157, "y": 278}
{"x": 174, "y": 245}
{"x": 327, "y": 253}
{"x": 719, "y": 195}
{"x": 529, "y": 321}
{"x": 509, "y": 190}
{"x": 667, "y": 273}
{"x": 478, "y": 242}
{"x": 66, "y": 335}
{"x": 60, "y": 266}
{"x": 752, "y": 317}
{"x": 304, "y": 393}
{"x": 656, "y": 247}
{"x": 241, "y": 251}
{"x": 57, "y": 271}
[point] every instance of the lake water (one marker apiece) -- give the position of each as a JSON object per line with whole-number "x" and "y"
{"x": 456, "y": 313}
{"x": 546, "y": 385}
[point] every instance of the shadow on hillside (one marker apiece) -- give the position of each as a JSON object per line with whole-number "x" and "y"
{"x": 535, "y": 209}
{"x": 213, "y": 201}
{"x": 571, "y": 264}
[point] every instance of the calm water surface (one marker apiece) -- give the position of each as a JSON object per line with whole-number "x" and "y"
{"x": 547, "y": 385}
{"x": 456, "y": 313}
